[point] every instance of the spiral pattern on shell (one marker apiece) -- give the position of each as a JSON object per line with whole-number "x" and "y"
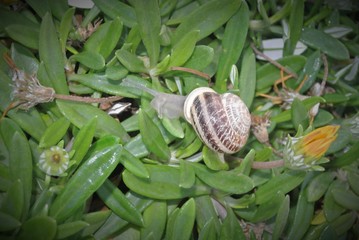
{"x": 221, "y": 121}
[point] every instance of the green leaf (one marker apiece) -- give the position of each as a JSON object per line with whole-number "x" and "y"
{"x": 202, "y": 56}
{"x": 325, "y": 43}
{"x": 54, "y": 133}
{"x": 346, "y": 198}
{"x": 182, "y": 224}
{"x": 66, "y": 230}
{"x": 207, "y": 18}
{"x": 131, "y": 61}
{"x": 149, "y": 23}
{"x": 80, "y": 113}
{"x": 318, "y": 186}
{"x": 283, "y": 183}
{"x": 303, "y": 215}
{"x": 347, "y": 158}
{"x": 119, "y": 204}
{"x": 39, "y": 227}
{"x": 115, "y": 9}
{"x": 95, "y": 221}
{"x": 51, "y": 54}
{"x": 9, "y": 17}
{"x": 13, "y": 202}
{"x": 105, "y": 38}
{"x": 281, "y": 218}
{"x": 205, "y": 213}
{"x": 163, "y": 183}
{"x": 268, "y": 209}
{"x": 300, "y": 116}
{"x": 344, "y": 223}
{"x": 20, "y": 162}
{"x": 86, "y": 180}
{"x": 208, "y": 232}
{"x": 187, "y": 174}
{"x": 332, "y": 209}
{"x": 231, "y": 229}
{"x": 247, "y": 77}
{"x": 154, "y": 216}
{"x": 83, "y": 140}
{"x": 65, "y": 26}
{"x": 26, "y": 35}
{"x": 90, "y": 59}
{"x": 235, "y": 34}
{"x": 173, "y": 126}
{"x": 310, "y": 71}
{"x": 353, "y": 179}
{"x": 213, "y": 160}
{"x": 133, "y": 164}
{"x": 295, "y": 26}
{"x": 101, "y": 83}
{"x": 152, "y": 137}
{"x": 41, "y": 8}
{"x": 227, "y": 181}
{"x": 183, "y": 49}
{"x": 8, "y": 222}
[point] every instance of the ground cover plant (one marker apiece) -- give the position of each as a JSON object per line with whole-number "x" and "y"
{"x": 85, "y": 155}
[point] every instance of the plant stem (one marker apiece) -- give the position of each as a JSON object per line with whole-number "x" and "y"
{"x": 268, "y": 165}
{"x": 87, "y": 99}
{"x": 275, "y": 63}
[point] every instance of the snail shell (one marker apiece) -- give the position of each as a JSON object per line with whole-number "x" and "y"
{"x": 221, "y": 121}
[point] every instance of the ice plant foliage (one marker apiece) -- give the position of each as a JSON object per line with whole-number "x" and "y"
{"x": 54, "y": 161}
{"x": 306, "y": 152}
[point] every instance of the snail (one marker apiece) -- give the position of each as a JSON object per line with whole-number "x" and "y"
{"x": 221, "y": 121}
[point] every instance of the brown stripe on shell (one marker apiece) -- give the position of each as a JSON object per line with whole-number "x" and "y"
{"x": 222, "y": 122}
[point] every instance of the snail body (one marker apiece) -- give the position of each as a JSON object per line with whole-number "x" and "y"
{"x": 221, "y": 121}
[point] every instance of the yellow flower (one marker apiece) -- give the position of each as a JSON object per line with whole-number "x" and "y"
{"x": 317, "y": 142}
{"x": 306, "y": 152}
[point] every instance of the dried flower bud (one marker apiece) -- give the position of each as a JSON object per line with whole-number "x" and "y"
{"x": 259, "y": 126}
{"x": 54, "y": 161}
{"x": 306, "y": 152}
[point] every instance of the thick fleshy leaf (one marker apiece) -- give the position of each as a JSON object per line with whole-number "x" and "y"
{"x": 39, "y": 227}
{"x": 207, "y": 18}
{"x": 105, "y": 39}
{"x": 235, "y": 34}
{"x": 295, "y": 26}
{"x": 300, "y": 115}
{"x": 8, "y": 222}
{"x": 13, "y": 202}
{"x": 205, "y": 212}
{"x": 90, "y": 59}
{"x": 54, "y": 133}
{"x": 86, "y": 180}
{"x": 154, "y": 217}
{"x": 231, "y": 228}
{"x": 202, "y": 56}
{"x": 284, "y": 183}
{"x": 51, "y": 54}
{"x": 183, "y": 49}
{"x": 80, "y": 113}
{"x": 303, "y": 215}
{"x": 28, "y": 36}
{"x": 319, "y": 185}
{"x": 227, "y": 181}
{"x": 149, "y": 23}
{"x": 114, "y": 9}
{"x": 324, "y": 42}
{"x": 182, "y": 223}
{"x": 131, "y": 61}
{"x": 163, "y": 183}
{"x": 66, "y": 230}
{"x": 152, "y": 137}
{"x": 346, "y": 198}
{"x": 281, "y": 218}
{"x": 119, "y": 204}
{"x": 247, "y": 78}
